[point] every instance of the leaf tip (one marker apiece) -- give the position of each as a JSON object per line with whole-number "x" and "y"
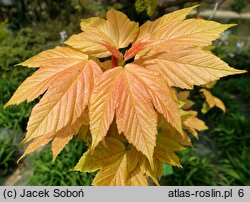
{"x": 19, "y": 64}
{"x": 6, "y": 105}
{"x": 195, "y": 6}
{"x": 20, "y": 158}
{"x": 10, "y": 102}
{"x": 54, "y": 157}
{"x": 232, "y": 25}
{"x": 24, "y": 141}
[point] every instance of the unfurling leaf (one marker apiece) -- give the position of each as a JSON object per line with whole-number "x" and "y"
{"x": 117, "y": 31}
{"x": 211, "y": 101}
{"x": 192, "y": 124}
{"x": 183, "y": 98}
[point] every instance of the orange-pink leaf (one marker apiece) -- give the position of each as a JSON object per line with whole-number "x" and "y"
{"x": 135, "y": 115}
{"x": 65, "y": 100}
{"x": 136, "y": 47}
{"x": 63, "y": 136}
{"x": 130, "y": 93}
{"x": 185, "y": 68}
{"x": 117, "y": 31}
{"x": 53, "y": 63}
{"x": 160, "y": 94}
{"x": 102, "y": 104}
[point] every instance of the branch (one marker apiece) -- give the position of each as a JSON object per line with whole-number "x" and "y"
{"x": 216, "y": 7}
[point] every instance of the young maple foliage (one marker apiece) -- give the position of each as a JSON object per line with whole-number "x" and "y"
{"x": 124, "y": 99}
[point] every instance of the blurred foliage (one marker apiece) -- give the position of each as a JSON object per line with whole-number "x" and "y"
{"x": 236, "y": 167}
{"x": 146, "y": 5}
{"x": 8, "y": 156}
{"x": 23, "y": 12}
{"x": 237, "y": 86}
{"x": 17, "y": 47}
{"x": 3, "y": 30}
{"x": 196, "y": 171}
{"x": 208, "y": 170}
{"x": 233, "y": 132}
{"x": 26, "y": 12}
{"x": 239, "y": 59}
{"x": 239, "y": 5}
{"x": 57, "y": 173}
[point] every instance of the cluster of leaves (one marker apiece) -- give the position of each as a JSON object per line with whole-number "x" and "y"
{"x": 116, "y": 79}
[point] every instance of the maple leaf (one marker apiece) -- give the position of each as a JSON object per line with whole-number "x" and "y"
{"x": 190, "y": 122}
{"x": 63, "y": 136}
{"x": 176, "y": 52}
{"x": 53, "y": 63}
{"x": 83, "y": 131}
{"x": 68, "y": 79}
{"x": 130, "y": 93}
{"x": 210, "y": 84}
{"x": 137, "y": 178}
{"x": 154, "y": 172}
{"x": 116, "y": 173}
{"x": 157, "y": 27}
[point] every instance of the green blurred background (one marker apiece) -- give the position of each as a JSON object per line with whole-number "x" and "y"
{"x": 221, "y": 156}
